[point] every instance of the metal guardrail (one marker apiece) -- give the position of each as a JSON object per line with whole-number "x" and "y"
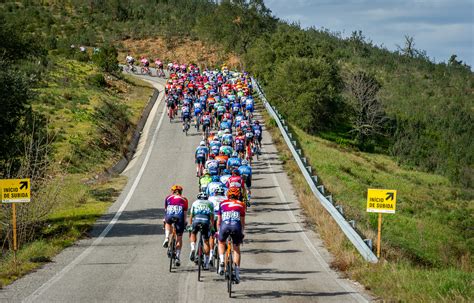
{"x": 318, "y": 190}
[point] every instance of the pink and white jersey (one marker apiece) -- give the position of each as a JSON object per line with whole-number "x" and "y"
{"x": 231, "y": 211}
{"x": 176, "y": 205}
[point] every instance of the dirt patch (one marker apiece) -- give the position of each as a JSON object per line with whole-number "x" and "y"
{"x": 182, "y": 50}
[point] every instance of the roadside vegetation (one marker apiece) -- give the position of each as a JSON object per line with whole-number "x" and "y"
{"x": 67, "y": 117}
{"x": 445, "y": 272}
{"x": 364, "y": 117}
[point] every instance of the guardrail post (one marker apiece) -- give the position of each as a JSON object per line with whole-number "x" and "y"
{"x": 304, "y": 160}
{"x": 299, "y": 151}
{"x": 369, "y": 243}
{"x": 315, "y": 179}
{"x": 294, "y": 142}
{"x": 329, "y": 198}
{"x": 340, "y": 209}
{"x": 310, "y": 170}
{"x": 352, "y": 223}
{"x": 321, "y": 189}
{"x": 289, "y": 134}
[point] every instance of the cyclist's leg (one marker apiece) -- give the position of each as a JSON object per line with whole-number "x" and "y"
{"x": 192, "y": 242}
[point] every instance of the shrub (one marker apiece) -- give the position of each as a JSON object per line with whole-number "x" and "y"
{"x": 97, "y": 80}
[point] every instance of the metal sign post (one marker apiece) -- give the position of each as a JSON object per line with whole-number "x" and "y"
{"x": 381, "y": 201}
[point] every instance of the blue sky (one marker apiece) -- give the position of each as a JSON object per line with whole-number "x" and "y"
{"x": 440, "y": 27}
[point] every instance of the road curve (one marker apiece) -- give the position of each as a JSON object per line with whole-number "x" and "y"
{"x": 123, "y": 261}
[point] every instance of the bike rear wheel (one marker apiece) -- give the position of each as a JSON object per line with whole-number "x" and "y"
{"x": 199, "y": 254}
{"x": 231, "y": 273}
{"x": 172, "y": 252}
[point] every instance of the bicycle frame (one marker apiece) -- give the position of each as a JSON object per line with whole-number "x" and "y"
{"x": 172, "y": 245}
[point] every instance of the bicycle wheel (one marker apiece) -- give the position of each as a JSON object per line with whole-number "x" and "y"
{"x": 199, "y": 254}
{"x": 231, "y": 272}
{"x": 172, "y": 253}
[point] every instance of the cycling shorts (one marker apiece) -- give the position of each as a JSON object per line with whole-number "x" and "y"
{"x": 236, "y": 230}
{"x": 197, "y": 111}
{"x": 186, "y": 117}
{"x": 248, "y": 181}
{"x": 200, "y": 160}
{"x": 179, "y": 222}
{"x": 206, "y": 229}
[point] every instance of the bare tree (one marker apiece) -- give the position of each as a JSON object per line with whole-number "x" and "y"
{"x": 369, "y": 116}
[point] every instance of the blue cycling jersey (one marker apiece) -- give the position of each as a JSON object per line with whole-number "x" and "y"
{"x": 245, "y": 170}
{"x": 236, "y": 162}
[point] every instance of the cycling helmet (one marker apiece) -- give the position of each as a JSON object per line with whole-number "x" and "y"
{"x": 233, "y": 192}
{"x": 216, "y": 178}
{"x": 205, "y": 171}
{"x": 227, "y": 131}
{"x": 235, "y": 172}
{"x": 202, "y": 143}
{"x": 177, "y": 188}
{"x": 257, "y": 122}
{"x": 220, "y": 191}
{"x": 212, "y": 156}
{"x": 234, "y": 154}
{"x": 245, "y": 162}
{"x": 202, "y": 196}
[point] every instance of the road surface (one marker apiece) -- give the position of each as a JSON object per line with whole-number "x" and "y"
{"x": 123, "y": 261}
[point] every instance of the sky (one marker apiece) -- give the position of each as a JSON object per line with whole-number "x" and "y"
{"x": 440, "y": 27}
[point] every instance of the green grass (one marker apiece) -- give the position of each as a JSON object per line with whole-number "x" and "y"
{"x": 431, "y": 223}
{"x": 68, "y": 100}
{"x": 416, "y": 265}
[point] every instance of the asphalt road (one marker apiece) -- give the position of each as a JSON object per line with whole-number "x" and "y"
{"x": 124, "y": 262}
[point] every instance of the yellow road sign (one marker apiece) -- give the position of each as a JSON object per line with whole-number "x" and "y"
{"x": 381, "y": 201}
{"x": 15, "y": 190}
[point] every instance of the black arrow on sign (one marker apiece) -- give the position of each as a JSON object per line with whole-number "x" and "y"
{"x": 390, "y": 196}
{"x": 24, "y": 184}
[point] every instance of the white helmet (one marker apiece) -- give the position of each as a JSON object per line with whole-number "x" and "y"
{"x": 202, "y": 143}
{"x": 245, "y": 162}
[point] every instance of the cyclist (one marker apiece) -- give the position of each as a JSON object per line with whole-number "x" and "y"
{"x": 236, "y": 181}
{"x": 206, "y": 121}
{"x": 239, "y": 144}
{"x": 246, "y": 173}
{"x": 212, "y": 165}
{"x": 216, "y": 200}
{"x": 234, "y": 161}
{"x": 201, "y": 214}
{"x": 257, "y": 130}
{"x": 222, "y": 159}
{"x": 130, "y": 61}
{"x": 145, "y": 63}
{"x": 231, "y": 221}
{"x": 226, "y": 174}
{"x": 185, "y": 115}
{"x": 159, "y": 68}
{"x": 202, "y": 152}
{"x": 214, "y": 185}
{"x": 204, "y": 180}
{"x": 176, "y": 206}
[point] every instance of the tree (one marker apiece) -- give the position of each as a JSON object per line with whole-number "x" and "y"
{"x": 369, "y": 119}
{"x": 307, "y": 91}
{"x": 106, "y": 59}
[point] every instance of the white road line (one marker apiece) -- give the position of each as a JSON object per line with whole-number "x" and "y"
{"x": 38, "y": 292}
{"x": 306, "y": 240}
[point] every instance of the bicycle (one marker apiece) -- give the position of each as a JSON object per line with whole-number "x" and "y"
{"x": 186, "y": 125}
{"x": 172, "y": 245}
{"x": 229, "y": 263}
{"x": 145, "y": 70}
{"x": 170, "y": 113}
{"x": 249, "y": 155}
{"x": 198, "y": 121}
{"x": 200, "y": 252}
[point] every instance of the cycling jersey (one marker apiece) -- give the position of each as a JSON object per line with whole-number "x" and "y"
{"x": 201, "y": 211}
{"x": 213, "y": 167}
{"x": 257, "y": 129}
{"x": 231, "y": 212}
{"x": 234, "y": 162}
{"x": 227, "y": 150}
{"x": 216, "y": 200}
{"x": 222, "y": 160}
{"x": 204, "y": 182}
{"x": 201, "y": 154}
{"x": 239, "y": 143}
{"x": 225, "y": 125}
{"x": 227, "y": 139}
{"x": 212, "y": 187}
{"x": 235, "y": 182}
{"x": 175, "y": 208}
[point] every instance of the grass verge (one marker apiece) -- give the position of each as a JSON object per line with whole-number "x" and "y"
{"x": 70, "y": 96}
{"x": 398, "y": 276}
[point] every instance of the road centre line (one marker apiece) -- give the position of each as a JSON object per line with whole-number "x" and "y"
{"x": 38, "y": 292}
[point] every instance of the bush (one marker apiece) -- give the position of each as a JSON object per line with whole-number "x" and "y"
{"x": 97, "y": 80}
{"x": 106, "y": 59}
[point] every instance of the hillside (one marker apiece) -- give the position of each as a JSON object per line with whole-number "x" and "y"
{"x": 380, "y": 118}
